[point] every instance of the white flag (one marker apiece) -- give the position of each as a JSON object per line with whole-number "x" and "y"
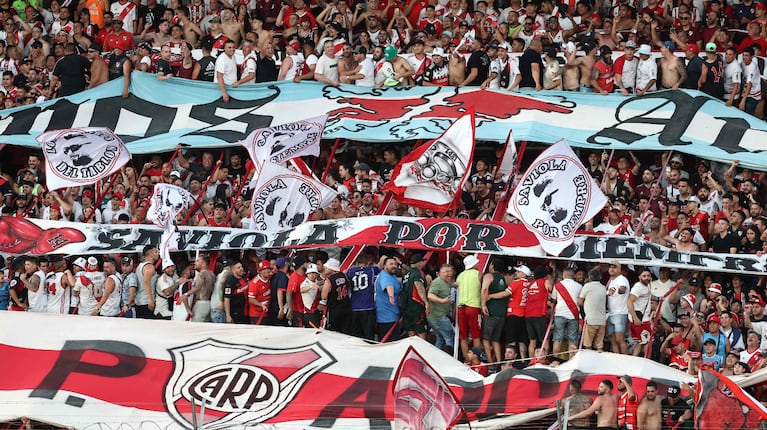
{"x": 81, "y": 156}
{"x": 432, "y": 175}
{"x": 280, "y": 143}
{"x": 166, "y": 204}
{"x": 508, "y": 159}
{"x": 284, "y": 199}
{"x": 555, "y": 197}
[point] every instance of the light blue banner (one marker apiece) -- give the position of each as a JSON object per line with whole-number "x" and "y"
{"x": 160, "y": 114}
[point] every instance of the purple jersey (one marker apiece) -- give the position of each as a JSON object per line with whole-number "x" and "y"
{"x": 363, "y": 287}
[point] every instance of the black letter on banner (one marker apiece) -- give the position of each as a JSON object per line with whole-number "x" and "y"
{"x": 740, "y": 263}
{"x": 322, "y": 234}
{"x": 130, "y": 361}
{"x": 109, "y": 111}
{"x": 146, "y": 237}
{"x": 686, "y": 107}
{"x": 111, "y": 239}
{"x": 674, "y": 257}
{"x": 442, "y": 235}
{"x": 482, "y": 237}
{"x": 591, "y": 248}
{"x": 618, "y": 248}
{"x": 401, "y": 231}
{"x": 281, "y": 238}
{"x": 216, "y": 239}
{"x": 368, "y": 392}
{"x": 194, "y": 240}
{"x": 650, "y": 251}
{"x": 238, "y": 241}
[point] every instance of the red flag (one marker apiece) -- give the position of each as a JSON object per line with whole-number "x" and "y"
{"x": 722, "y": 404}
{"x": 422, "y": 399}
{"x": 432, "y": 176}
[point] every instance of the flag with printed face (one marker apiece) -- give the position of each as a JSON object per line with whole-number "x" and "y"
{"x": 422, "y": 399}
{"x": 280, "y": 143}
{"x": 81, "y": 156}
{"x": 284, "y": 199}
{"x": 433, "y": 174}
{"x": 722, "y": 404}
{"x": 166, "y": 203}
{"x": 555, "y": 196}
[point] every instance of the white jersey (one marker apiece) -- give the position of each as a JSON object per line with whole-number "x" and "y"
{"x": 127, "y": 12}
{"x": 646, "y": 72}
{"x": 296, "y": 68}
{"x": 733, "y": 74}
{"x": 507, "y": 72}
{"x": 366, "y": 70}
{"x": 58, "y": 294}
{"x": 179, "y": 310}
{"x": 161, "y": 306}
{"x": 91, "y": 288}
{"x": 572, "y": 287}
{"x": 111, "y": 306}
{"x": 617, "y": 301}
{"x": 383, "y": 70}
{"x": 247, "y": 67}
{"x": 752, "y": 76}
{"x": 38, "y": 300}
{"x": 642, "y": 301}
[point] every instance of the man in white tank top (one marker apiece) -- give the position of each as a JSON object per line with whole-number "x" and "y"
{"x": 89, "y": 287}
{"x": 34, "y": 279}
{"x": 59, "y": 286}
{"x": 293, "y": 64}
{"x": 109, "y": 305}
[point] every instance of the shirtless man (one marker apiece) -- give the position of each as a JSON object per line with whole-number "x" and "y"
{"x": 192, "y": 31}
{"x": 99, "y": 68}
{"x": 403, "y": 71}
{"x": 571, "y": 79}
{"x": 585, "y": 65}
{"x": 457, "y": 69}
{"x": 672, "y": 69}
{"x": 232, "y": 28}
{"x": 347, "y": 65}
{"x": 257, "y": 26}
{"x": 606, "y": 406}
{"x": 158, "y": 38}
{"x": 649, "y": 410}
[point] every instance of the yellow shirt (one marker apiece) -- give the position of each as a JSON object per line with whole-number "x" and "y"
{"x": 469, "y": 288}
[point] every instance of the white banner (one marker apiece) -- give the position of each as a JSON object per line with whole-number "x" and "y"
{"x": 284, "y": 199}
{"x": 81, "y": 156}
{"x": 555, "y": 197}
{"x": 167, "y": 202}
{"x": 283, "y": 142}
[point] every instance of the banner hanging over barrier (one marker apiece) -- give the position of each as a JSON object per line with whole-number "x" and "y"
{"x": 20, "y": 236}
{"x": 158, "y": 115}
{"x": 96, "y": 372}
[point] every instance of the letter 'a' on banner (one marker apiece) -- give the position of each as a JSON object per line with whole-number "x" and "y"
{"x": 432, "y": 176}
{"x": 422, "y": 398}
{"x": 555, "y": 196}
{"x": 283, "y": 142}
{"x": 81, "y": 156}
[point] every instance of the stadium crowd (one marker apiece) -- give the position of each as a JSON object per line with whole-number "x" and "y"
{"x": 503, "y": 312}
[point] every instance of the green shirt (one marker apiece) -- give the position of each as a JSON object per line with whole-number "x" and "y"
{"x": 440, "y": 289}
{"x": 497, "y": 307}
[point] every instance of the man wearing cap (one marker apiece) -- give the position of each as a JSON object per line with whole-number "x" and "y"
{"x": 310, "y": 296}
{"x": 673, "y": 72}
{"x": 98, "y": 67}
{"x": 115, "y": 207}
{"x": 647, "y": 71}
{"x": 413, "y": 300}
{"x": 278, "y": 284}
{"x": 626, "y": 68}
{"x": 674, "y": 347}
{"x": 711, "y": 78}
{"x": 165, "y": 286}
{"x": 469, "y": 303}
{"x": 130, "y": 287}
{"x": 335, "y": 297}
{"x": 293, "y": 63}
{"x": 675, "y": 410}
{"x": 494, "y": 300}
{"x": 694, "y": 67}
{"x": 89, "y": 287}
{"x": 364, "y": 74}
{"x": 59, "y": 285}
{"x": 259, "y": 295}
{"x": 605, "y": 405}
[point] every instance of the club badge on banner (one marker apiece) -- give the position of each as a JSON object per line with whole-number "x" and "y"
{"x": 433, "y": 175}
{"x": 166, "y": 203}
{"x": 81, "y": 156}
{"x": 555, "y": 196}
{"x": 283, "y": 142}
{"x": 284, "y": 199}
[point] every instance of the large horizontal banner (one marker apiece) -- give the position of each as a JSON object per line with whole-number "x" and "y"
{"x": 97, "y": 372}
{"x": 160, "y": 114}
{"x": 19, "y": 236}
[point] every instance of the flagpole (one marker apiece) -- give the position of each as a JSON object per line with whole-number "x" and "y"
{"x": 196, "y": 204}
{"x": 604, "y": 174}
{"x": 101, "y": 196}
{"x": 663, "y": 169}
{"x": 332, "y": 155}
{"x": 233, "y": 199}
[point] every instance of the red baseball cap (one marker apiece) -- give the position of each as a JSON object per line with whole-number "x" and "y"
{"x": 693, "y": 47}
{"x": 264, "y": 264}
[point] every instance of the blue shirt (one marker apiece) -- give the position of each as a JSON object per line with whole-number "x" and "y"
{"x": 362, "y": 292}
{"x": 386, "y": 312}
{"x": 720, "y": 341}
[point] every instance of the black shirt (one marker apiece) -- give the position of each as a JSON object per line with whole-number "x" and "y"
{"x": 714, "y": 85}
{"x": 480, "y": 61}
{"x": 207, "y": 69}
{"x": 694, "y": 69}
{"x": 164, "y": 67}
{"x": 236, "y": 290}
{"x": 266, "y": 70}
{"x": 279, "y": 281}
{"x": 723, "y": 244}
{"x": 670, "y": 414}
{"x": 70, "y": 70}
{"x": 526, "y": 70}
